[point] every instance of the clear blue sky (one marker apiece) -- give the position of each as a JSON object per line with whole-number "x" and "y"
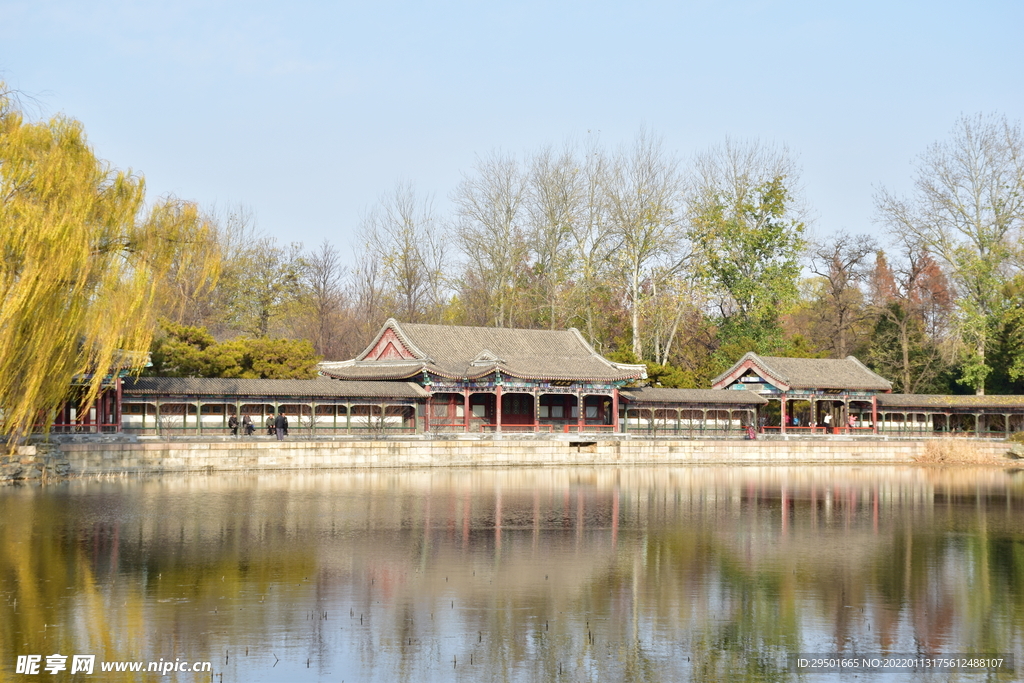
{"x": 307, "y": 111}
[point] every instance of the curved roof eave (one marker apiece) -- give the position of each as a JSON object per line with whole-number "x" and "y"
{"x": 413, "y": 371}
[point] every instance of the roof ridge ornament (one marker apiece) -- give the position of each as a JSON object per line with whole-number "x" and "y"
{"x": 485, "y": 357}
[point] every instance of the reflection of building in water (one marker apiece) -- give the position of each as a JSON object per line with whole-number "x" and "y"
{"x": 611, "y": 569}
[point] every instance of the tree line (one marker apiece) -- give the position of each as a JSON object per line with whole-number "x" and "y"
{"x": 682, "y": 264}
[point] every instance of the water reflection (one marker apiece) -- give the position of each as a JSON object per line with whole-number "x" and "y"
{"x": 521, "y": 575}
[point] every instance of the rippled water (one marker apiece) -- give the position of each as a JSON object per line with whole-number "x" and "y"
{"x": 605, "y": 574}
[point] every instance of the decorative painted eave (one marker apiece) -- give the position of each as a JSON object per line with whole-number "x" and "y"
{"x": 480, "y": 373}
{"x": 560, "y": 378}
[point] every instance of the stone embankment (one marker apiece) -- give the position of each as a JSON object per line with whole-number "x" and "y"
{"x": 40, "y": 462}
{"x": 108, "y": 456}
{"x": 145, "y": 457}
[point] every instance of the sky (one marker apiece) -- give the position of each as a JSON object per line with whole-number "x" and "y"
{"x": 307, "y": 112}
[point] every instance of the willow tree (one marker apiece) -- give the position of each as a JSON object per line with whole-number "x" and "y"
{"x": 81, "y": 259}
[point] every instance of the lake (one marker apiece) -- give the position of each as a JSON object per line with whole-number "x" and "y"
{"x": 574, "y": 574}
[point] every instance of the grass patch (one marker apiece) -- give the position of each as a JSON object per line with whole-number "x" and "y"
{"x": 960, "y": 452}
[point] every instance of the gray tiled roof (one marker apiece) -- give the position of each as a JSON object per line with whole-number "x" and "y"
{"x": 662, "y": 395}
{"x": 939, "y": 401}
{"x": 385, "y": 370}
{"x": 471, "y": 352}
{"x": 305, "y": 388}
{"x": 815, "y": 373}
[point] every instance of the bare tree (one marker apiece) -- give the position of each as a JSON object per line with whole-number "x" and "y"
{"x": 322, "y": 300}
{"x": 555, "y": 204}
{"x": 643, "y": 191}
{"x": 592, "y": 240}
{"x": 841, "y": 263}
{"x": 490, "y": 232}
{"x": 366, "y": 297}
{"x": 967, "y": 208}
{"x": 670, "y": 299}
{"x": 401, "y": 234}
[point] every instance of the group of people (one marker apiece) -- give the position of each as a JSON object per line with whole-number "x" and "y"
{"x": 275, "y": 425}
{"x": 826, "y": 421}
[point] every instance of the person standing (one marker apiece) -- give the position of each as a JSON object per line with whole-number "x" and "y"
{"x": 281, "y": 425}
{"x": 828, "y": 422}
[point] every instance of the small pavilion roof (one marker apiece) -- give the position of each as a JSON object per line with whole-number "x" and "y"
{"x": 405, "y": 350}
{"x": 255, "y": 388}
{"x": 806, "y": 373}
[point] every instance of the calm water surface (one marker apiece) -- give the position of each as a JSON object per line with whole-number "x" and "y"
{"x": 605, "y": 574}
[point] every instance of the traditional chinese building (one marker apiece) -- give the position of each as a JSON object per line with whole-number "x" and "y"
{"x": 482, "y": 379}
{"x": 809, "y": 394}
{"x": 416, "y": 378}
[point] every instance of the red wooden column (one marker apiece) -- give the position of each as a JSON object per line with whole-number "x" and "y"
{"x": 120, "y": 419}
{"x": 465, "y": 409}
{"x": 579, "y": 411}
{"x": 782, "y": 413}
{"x": 615, "y": 409}
{"x": 536, "y": 411}
{"x": 497, "y": 408}
{"x": 874, "y": 415}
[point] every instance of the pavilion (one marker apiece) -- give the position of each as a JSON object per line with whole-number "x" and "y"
{"x": 802, "y": 391}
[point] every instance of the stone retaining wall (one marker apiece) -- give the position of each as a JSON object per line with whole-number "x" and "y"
{"x": 34, "y": 463}
{"x": 155, "y": 457}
